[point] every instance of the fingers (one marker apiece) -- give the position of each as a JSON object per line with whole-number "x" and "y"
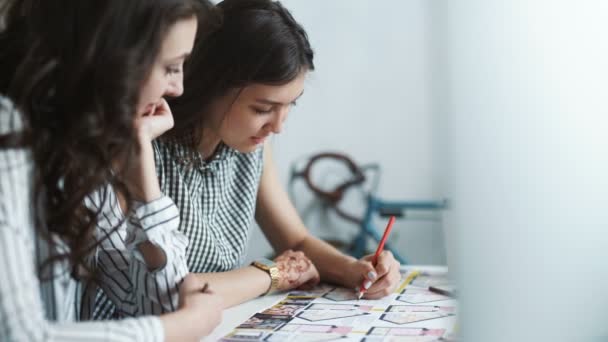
{"x": 193, "y": 287}
{"x": 372, "y": 273}
{"x": 156, "y": 121}
{"x": 383, "y": 287}
{"x": 191, "y": 283}
{"x": 314, "y": 276}
{"x": 368, "y": 257}
{"x": 366, "y": 270}
{"x": 164, "y": 117}
{"x": 205, "y": 305}
{"x": 385, "y": 284}
{"x": 313, "y": 279}
{"x": 379, "y": 280}
{"x": 385, "y": 260}
{"x": 296, "y": 269}
{"x": 163, "y": 108}
{"x": 291, "y": 254}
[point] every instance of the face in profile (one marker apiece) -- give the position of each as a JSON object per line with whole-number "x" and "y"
{"x": 166, "y": 76}
{"x": 250, "y": 116}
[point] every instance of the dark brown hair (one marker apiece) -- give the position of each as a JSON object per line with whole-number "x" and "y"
{"x": 74, "y": 70}
{"x": 258, "y": 41}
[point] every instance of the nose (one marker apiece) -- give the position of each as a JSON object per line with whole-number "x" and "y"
{"x": 176, "y": 87}
{"x": 276, "y": 125}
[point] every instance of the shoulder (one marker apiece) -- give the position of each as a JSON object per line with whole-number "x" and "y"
{"x": 256, "y": 156}
{"x": 15, "y": 169}
{"x": 13, "y": 160}
{"x": 171, "y": 149}
{"x": 251, "y": 163}
{"x": 160, "y": 145}
{"x": 165, "y": 154}
{"x": 10, "y": 118}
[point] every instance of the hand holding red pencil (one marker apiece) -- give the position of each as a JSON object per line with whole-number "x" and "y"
{"x": 385, "y": 277}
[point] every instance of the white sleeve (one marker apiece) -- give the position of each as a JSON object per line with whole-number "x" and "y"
{"x": 22, "y": 308}
{"x": 125, "y": 277}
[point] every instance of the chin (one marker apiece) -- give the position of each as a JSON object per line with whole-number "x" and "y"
{"x": 248, "y": 149}
{"x": 244, "y": 148}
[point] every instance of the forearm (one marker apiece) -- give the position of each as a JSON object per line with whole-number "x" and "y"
{"x": 132, "y": 282}
{"x": 141, "y": 174}
{"x": 330, "y": 262}
{"x": 153, "y": 229}
{"x": 180, "y": 326}
{"x": 238, "y": 286}
{"x": 154, "y": 256}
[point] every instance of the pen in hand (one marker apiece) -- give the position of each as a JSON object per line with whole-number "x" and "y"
{"x": 379, "y": 250}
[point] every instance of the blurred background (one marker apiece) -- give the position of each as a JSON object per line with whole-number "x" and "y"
{"x": 499, "y": 107}
{"x": 372, "y": 96}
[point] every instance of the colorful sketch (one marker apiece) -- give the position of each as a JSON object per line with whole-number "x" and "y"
{"x": 414, "y": 295}
{"x": 341, "y": 294}
{"x": 341, "y": 307}
{"x": 316, "y": 292}
{"x": 309, "y": 332}
{"x": 425, "y": 281}
{"x": 384, "y": 334}
{"x": 282, "y": 309}
{"x": 298, "y": 300}
{"x": 334, "y": 314}
{"x": 322, "y": 312}
{"x": 420, "y": 308}
{"x": 266, "y": 322}
{"x": 241, "y": 335}
{"x": 309, "y": 337}
{"x": 404, "y": 314}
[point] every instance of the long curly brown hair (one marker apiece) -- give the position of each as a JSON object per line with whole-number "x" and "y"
{"x": 74, "y": 70}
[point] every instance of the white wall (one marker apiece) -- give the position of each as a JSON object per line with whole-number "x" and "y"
{"x": 501, "y": 106}
{"x": 528, "y": 125}
{"x": 370, "y": 96}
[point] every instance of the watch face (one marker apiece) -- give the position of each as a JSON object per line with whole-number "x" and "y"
{"x": 265, "y": 262}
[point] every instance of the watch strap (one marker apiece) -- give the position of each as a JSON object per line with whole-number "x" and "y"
{"x": 273, "y": 272}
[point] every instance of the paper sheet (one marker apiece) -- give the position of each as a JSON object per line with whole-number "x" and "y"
{"x": 327, "y": 313}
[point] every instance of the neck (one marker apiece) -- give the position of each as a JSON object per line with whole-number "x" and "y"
{"x": 209, "y": 142}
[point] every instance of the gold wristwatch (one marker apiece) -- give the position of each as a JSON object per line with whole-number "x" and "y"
{"x": 273, "y": 271}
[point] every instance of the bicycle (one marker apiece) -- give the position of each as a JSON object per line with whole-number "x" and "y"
{"x": 330, "y": 199}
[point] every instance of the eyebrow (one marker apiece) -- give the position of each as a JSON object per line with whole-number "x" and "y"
{"x": 275, "y": 103}
{"x": 185, "y": 55}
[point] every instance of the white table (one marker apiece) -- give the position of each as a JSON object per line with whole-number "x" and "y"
{"x": 238, "y": 314}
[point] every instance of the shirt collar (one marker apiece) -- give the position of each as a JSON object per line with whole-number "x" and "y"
{"x": 184, "y": 152}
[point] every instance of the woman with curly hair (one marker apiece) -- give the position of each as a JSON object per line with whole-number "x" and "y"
{"x": 82, "y": 95}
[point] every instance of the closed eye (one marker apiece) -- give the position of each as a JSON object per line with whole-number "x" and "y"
{"x": 262, "y": 111}
{"x": 173, "y": 70}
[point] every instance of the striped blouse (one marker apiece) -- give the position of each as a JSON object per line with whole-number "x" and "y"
{"x": 35, "y": 309}
{"x": 216, "y": 200}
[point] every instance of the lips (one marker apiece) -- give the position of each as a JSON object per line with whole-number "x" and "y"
{"x": 259, "y": 140}
{"x": 151, "y": 108}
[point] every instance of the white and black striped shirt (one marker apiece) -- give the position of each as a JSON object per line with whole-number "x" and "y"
{"x": 216, "y": 200}
{"x": 35, "y": 310}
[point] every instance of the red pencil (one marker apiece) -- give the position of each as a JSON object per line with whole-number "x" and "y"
{"x": 387, "y": 231}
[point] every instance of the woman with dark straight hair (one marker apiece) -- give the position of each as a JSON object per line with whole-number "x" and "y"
{"x": 241, "y": 83}
{"x": 82, "y": 94}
